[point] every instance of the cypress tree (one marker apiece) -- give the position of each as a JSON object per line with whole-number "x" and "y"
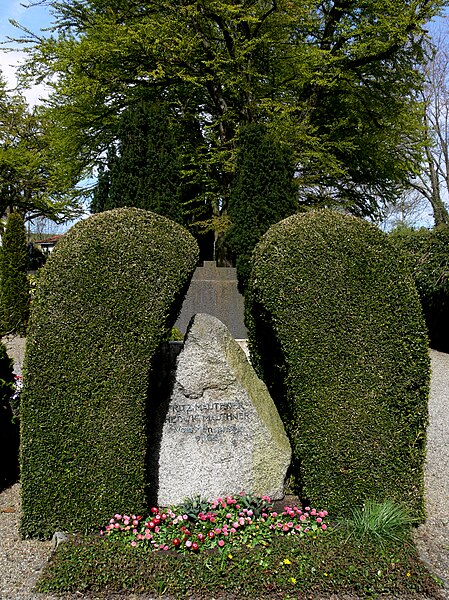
{"x": 263, "y": 193}
{"x": 14, "y": 282}
{"x": 144, "y": 171}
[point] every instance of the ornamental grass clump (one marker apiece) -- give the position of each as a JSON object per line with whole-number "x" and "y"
{"x": 337, "y": 333}
{"x": 382, "y": 521}
{"x": 224, "y": 523}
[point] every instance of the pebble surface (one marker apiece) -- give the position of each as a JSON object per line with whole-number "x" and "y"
{"x": 21, "y": 561}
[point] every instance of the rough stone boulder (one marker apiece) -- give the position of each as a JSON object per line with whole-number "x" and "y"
{"x": 222, "y": 433}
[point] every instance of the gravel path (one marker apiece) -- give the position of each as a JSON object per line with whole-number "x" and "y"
{"x": 21, "y": 561}
{"x": 432, "y": 538}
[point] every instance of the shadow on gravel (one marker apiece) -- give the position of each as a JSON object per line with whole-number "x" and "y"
{"x": 9, "y": 448}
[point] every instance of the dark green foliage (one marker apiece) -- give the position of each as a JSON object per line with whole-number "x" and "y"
{"x": 106, "y": 298}
{"x": 337, "y": 333}
{"x": 316, "y": 567}
{"x": 9, "y": 433}
{"x": 13, "y": 274}
{"x": 36, "y": 258}
{"x": 144, "y": 172}
{"x": 263, "y": 192}
{"x": 428, "y": 253}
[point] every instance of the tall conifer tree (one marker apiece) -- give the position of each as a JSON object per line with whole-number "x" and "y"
{"x": 144, "y": 170}
{"x": 14, "y": 282}
{"x": 263, "y": 192}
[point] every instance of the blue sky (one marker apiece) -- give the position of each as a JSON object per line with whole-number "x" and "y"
{"x": 34, "y": 18}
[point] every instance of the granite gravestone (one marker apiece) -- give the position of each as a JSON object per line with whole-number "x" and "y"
{"x": 222, "y": 433}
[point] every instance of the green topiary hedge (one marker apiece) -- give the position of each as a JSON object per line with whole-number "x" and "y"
{"x": 428, "y": 253}
{"x": 337, "y": 333}
{"x": 106, "y": 298}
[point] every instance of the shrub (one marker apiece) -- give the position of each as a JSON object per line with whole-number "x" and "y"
{"x": 9, "y": 434}
{"x": 106, "y": 298}
{"x": 428, "y": 253}
{"x": 336, "y": 331}
{"x": 13, "y": 274}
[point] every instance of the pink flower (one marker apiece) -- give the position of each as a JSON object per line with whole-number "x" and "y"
{"x": 217, "y": 531}
{"x": 236, "y": 525}
{"x": 250, "y": 513}
{"x": 289, "y": 524}
{"x": 303, "y": 518}
{"x": 319, "y": 519}
{"x": 307, "y": 508}
{"x": 232, "y": 530}
{"x": 229, "y": 516}
{"x": 285, "y": 528}
{"x": 221, "y": 543}
{"x": 133, "y": 544}
{"x": 274, "y": 514}
{"x": 241, "y": 521}
{"x": 188, "y": 543}
{"x": 324, "y": 526}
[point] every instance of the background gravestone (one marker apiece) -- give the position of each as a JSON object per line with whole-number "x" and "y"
{"x": 213, "y": 290}
{"x": 337, "y": 333}
{"x": 107, "y": 296}
{"x": 222, "y": 433}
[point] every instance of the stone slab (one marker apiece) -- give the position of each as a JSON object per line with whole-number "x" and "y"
{"x": 222, "y": 433}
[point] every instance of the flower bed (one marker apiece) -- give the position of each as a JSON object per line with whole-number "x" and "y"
{"x": 225, "y": 522}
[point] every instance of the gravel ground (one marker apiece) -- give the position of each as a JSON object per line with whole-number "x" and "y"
{"x": 22, "y": 561}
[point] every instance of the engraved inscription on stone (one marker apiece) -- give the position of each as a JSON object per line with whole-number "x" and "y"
{"x": 208, "y": 421}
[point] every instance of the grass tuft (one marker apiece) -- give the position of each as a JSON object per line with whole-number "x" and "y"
{"x": 381, "y": 521}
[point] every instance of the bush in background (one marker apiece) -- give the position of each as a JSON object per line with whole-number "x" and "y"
{"x": 13, "y": 276}
{"x": 337, "y": 333}
{"x": 106, "y": 298}
{"x": 9, "y": 433}
{"x": 428, "y": 255}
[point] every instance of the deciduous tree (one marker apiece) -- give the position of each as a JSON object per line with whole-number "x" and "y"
{"x": 335, "y": 80}
{"x": 31, "y": 178}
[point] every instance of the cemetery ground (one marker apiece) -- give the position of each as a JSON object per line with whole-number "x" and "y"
{"x": 322, "y": 566}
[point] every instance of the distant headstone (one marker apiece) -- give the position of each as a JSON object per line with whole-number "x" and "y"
{"x": 222, "y": 433}
{"x": 213, "y": 290}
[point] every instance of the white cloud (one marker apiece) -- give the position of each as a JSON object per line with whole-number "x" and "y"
{"x": 9, "y": 61}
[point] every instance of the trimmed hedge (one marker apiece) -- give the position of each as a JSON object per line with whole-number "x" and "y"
{"x": 428, "y": 253}
{"x": 107, "y": 296}
{"x": 336, "y": 331}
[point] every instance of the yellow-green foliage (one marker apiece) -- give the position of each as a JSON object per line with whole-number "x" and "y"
{"x": 107, "y": 296}
{"x": 336, "y": 331}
